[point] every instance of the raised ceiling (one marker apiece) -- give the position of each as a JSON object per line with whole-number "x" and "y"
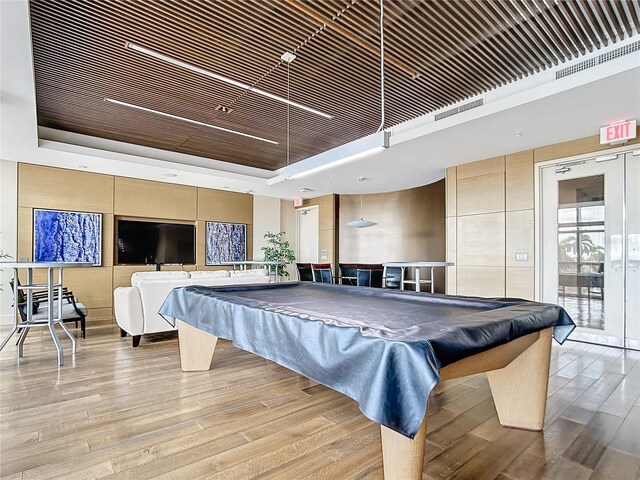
{"x": 436, "y": 53}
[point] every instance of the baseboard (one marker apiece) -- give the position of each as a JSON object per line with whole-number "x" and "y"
{"x": 6, "y": 319}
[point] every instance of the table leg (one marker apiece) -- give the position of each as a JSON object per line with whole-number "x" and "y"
{"x": 70, "y": 335}
{"x": 15, "y": 310}
{"x": 196, "y": 347}
{"x": 520, "y": 389}
{"x": 417, "y": 270}
{"x": 403, "y": 457}
{"x": 50, "y": 323}
{"x": 432, "y": 281}
{"x": 21, "y": 339}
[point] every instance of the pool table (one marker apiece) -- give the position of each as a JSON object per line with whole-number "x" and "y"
{"x": 385, "y": 349}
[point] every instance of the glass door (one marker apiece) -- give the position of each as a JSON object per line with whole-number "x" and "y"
{"x": 590, "y": 211}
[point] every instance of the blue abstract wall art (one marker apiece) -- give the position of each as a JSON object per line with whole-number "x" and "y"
{"x": 60, "y": 236}
{"x": 225, "y": 242}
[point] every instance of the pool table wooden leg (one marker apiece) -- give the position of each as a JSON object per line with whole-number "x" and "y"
{"x": 196, "y": 347}
{"x": 520, "y": 389}
{"x": 402, "y": 457}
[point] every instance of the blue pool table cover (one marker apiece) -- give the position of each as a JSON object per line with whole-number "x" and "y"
{"x": 382, "y": 348}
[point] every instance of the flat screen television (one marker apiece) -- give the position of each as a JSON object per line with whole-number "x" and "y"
{"x": 154, "y": 243}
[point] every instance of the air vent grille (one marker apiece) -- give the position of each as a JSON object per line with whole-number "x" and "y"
{"x": 459, "y": 109}
{"x": 602, "y": 58}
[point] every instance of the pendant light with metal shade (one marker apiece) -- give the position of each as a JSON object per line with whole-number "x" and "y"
{"x": 361, "y": 222}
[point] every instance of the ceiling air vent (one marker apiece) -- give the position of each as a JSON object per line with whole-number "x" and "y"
{"x": 459, "y": 109}
{"x": 602, "y": 58}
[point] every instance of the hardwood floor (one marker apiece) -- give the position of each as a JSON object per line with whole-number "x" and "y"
{"x": 118, "y": 412}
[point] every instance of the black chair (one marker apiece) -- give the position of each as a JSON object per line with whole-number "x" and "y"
{"x": 348, "y": 273}
{"x": 392, "y": 277}
{"x": 72, "y": 311}
{"x": 305, "y": 272}
{"x": 322, "y": 273}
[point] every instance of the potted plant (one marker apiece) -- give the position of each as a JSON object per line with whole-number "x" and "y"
{"x": 278, "y": 249}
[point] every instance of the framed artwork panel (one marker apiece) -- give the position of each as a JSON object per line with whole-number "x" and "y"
{"x": 64, "y": 236}
{"x": 225, "y": 242}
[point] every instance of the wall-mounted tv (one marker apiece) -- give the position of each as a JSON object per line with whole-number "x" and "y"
{"x": 139, "y": 242}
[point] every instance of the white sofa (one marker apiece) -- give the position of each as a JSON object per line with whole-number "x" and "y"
{"x": 136, "y": 307}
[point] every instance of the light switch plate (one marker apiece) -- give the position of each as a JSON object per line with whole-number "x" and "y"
{"x": 522, "y": 256}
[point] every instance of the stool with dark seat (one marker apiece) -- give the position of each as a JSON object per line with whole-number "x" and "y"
{"x": 305, "y": 272}
{"x": 322, "y": 272}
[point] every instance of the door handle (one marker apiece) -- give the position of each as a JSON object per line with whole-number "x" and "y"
{"x": 616, "y": 252}
{"x": 633, "y": 251}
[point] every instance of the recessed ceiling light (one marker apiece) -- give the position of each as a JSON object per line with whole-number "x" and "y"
{"x": 225, "y": 187}
{"x": 224, "y": 109}
{"x": 518, "y": 134}
{"x": 84, "y": 167}
{"x": 248, "y": 191}
{"x": 202, "y": 71}
{"x": 176, "y": 117}
{"x": 169, "y": 175}
{"x": 305, "y": 189}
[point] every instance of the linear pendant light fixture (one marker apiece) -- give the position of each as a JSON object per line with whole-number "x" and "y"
{"x": 176, "y": 117}
{"x": 348, "y": 152}
{"x": 216, "y": 76}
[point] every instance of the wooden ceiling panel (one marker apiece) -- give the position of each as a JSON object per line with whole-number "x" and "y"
{"x": 436, "y": 53}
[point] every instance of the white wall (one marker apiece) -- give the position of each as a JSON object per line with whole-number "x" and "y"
{"x": 288, "y": 226}
{"x": 8, "y": 231}
{"x": 266, "y": 218}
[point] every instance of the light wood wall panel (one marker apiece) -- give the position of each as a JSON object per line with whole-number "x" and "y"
{"x": 519, "y": 181}
{"x": 326, "y": 212}
{"x": 451, "y": 193}
{"x": 481, "y": 281}
{"x": 411, "y": 227}
{"x": 58, "y": 189}
{"x": 520, "y": 282}
{"x": 144, "y": 198}
{"x": 450, "y": 272}
{"x": 519, "y": 237}
{"x": 518, "y": 193}
{"x": 54, "y": 188}
{"x": 451, "y": 282}
{"x": 222, "y": 206}
{"x": 483, "y": 167}
{"x": 480, "y": 194}
{"x": 481, "y": 240}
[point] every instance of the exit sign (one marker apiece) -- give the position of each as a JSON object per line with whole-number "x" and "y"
{"x": 618, "y": 132}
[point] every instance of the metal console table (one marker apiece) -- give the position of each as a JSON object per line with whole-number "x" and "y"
{"x": 418, "y": 281}
{"x": 30, "y": 286}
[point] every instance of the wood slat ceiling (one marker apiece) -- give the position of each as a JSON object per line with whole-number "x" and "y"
{"x": 436, "y": 53}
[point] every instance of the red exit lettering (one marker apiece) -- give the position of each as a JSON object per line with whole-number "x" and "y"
{"x": 614, "y": 132}
{"x": 617, "y": 132}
